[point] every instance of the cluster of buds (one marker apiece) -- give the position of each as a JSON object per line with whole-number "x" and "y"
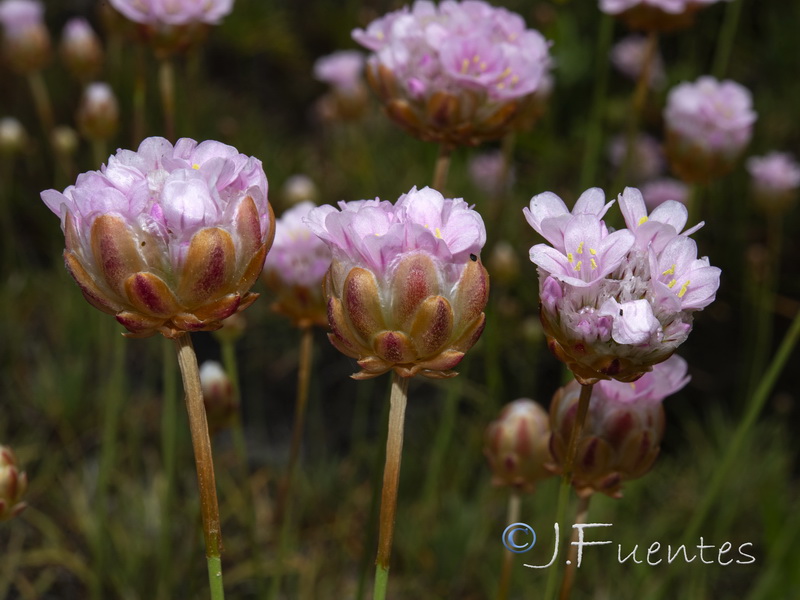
{"x": 12, "y": 485}
{"x": 518, "y": 445}
{"x": 220, "y": 402}
{"x": 624, "y": 426}
{"x": 406, "y": 288}
{"x": 26, "y": 41}
{"x": 655, "y": 15}
{"x": 167, "y": 239}
{"x": 456, "y": 74}
{"x": 344, "y": 72}
{"x": 98, "y": 112}
{"x": 81, "y": 50}
{"x": 775, "y": 179}
{"x": 615, "y": 304}
{"x": 295, "y": 267}
{"x": 173, "y": 25}
{"x": 708, "y": 125}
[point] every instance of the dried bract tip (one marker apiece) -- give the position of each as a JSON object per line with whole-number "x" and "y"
{"x": 517, "y": 445}
{"x": 13, "y": 484}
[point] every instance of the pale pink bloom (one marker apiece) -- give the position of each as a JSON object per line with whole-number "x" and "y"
{"x": 81, "y": 48}
{"x": 614, "y": 7}
{"x": 406, "y": 288}
{"x": 343, "y": 69}
{"x": 647, "y": 160}
{"x": 658, "y": 191}
{"x": 489, "y": 172}
{"x": 17, "y": 16}
{"x": 776, "y": 172}
{"x": 167, "y": 238}
{"x": 628, "y": 56}
{"x": 174, "y": 12}
{"x": 26, "y": 40}
{"x": 614, "y": 304}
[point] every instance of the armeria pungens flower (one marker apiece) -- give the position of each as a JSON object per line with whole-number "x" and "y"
{"x": 615, "y": 304}
{"x": 295, "y": 268}
{"x": 344, "y": 72}
{"x": 622, "y": 433}
{"x": 168, "y": 239}
{"x": 658, "y": 191}
{"x": 655, "y": 15}
{"x": 26, "y": 41}
{"x": 775, "y": 179}
{"x": 12, "y": 485}
{"x": 517, "y": 445}
{"x": 708, "y": 125}
{"x": 173, "y": 25}
{"x": 98, "y": 112}
{"x": 406, "y": 288}
{"x": 456, "y": 74}
{"x": 629, "y": 56}
{"x": 81, "y": 49}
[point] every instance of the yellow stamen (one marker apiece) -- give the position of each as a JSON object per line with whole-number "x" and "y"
{"x": 594, "y": 264}
{"x": 670, "y": 271}
{"x": 642, "y": 220}
{"x": 438, "y": 233}
{"x": 570, "y": 257}
{"x": 196, "y": 167}
{"x": 580, "y": 248}
{"x": 684, "y": 287}
{"x": 464, "y": 66}
{"x": 578, "y": 265}
{"x": 476, "y": 59}
{"x": 483, "y": 66}
{"x": 592, "y": 251}
{"x": 671, "y": 284}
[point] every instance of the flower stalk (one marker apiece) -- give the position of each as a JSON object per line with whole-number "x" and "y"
{"x": 204, "y": 462}
{"x": 391, "y": 480}
{"x": 166, "y": 82}
{"x": 442, "y": 166}
{"x": 514, "y": 502}
{"x": 572, "y": 560}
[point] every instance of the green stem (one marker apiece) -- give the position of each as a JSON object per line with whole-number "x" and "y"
{"x": 204, "y": 462}
{"x": 572, "y": 560}
{"x": 722, "y": 56}
{"x": 444, "y": 434}
{"x": 166, "y": 82}
{"x": 595, "y": 129}
{"x": 169, "y": 426}
{"x": 391, "y": 481}
{"x": 566, "y": 479}
{"x": 41, "y": 99}
{"x": 442, "y": 167}
{"x": 508, "y": 556}
{"x": 756, "y": 404}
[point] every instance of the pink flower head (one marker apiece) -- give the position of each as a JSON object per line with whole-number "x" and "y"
{"x": 775, "y": 179}
{"x": 167, "y": 238}
{"x": 81, "y": 48}
{"x": 174, "y": 12}
{"x": 296, "y": 266}
{"x": 343, "y": 69}
{"x": 26, "y": 40}
{"x": 614, "y": 304}
{"x": 458, "y": 72}
{"x": 406, "y": 288}
{"x": 709, "y": 123}
{"x": 647, "y": 159}
{"x": 658, "y": 191}
{"x": 658, "y": 15}
{"x": 624, "y": 426}
{"x": 490, "y": 173}
{"x": 18, "y": 15}
{"x": 628, "y": 57}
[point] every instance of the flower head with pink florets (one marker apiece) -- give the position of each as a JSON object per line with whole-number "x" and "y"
{"x": 26, "y": 40}
{"x": 655, "y": 15}
{"x": 456, "y": 74}
{"x": 613, "y": 304}
{"x": 775, "y": 179}
{"x": 406, "y": 288}
{"x": 167, "y": 238}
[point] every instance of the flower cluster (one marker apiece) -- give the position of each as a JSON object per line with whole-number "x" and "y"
{"x": 709, "y": 123}
{"x": 615, "y": 304}
{"x": 775, "y": 180}
{"x": 456, "y": 74}
{"x": 26, "y": 41}
{"x": 406, "y": 288}
{"x": 655, "y": 15}
{"x": 168, "y": 239}
{"x": 629, "y": 56}
{"x": 295, "y": 267}
{"x": 623, "y": 429}
{"x": 344, "y": 72}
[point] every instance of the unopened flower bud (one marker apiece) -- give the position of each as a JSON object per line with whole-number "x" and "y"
{"x": 26, "y": 41}
{"x": 622, "y": 433}
{"x": 517, "y": 445}
{"x": 12, "y": 136}
{"x": 12, "y": 485}
{"x": 64, "y": 139}
{"x": 406, "y": 288}
{"x": 218, "y": 396}
{"x": 98, "y": 113}
{"x": 81, "y": 49}
{"x": 299, "y": 188}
